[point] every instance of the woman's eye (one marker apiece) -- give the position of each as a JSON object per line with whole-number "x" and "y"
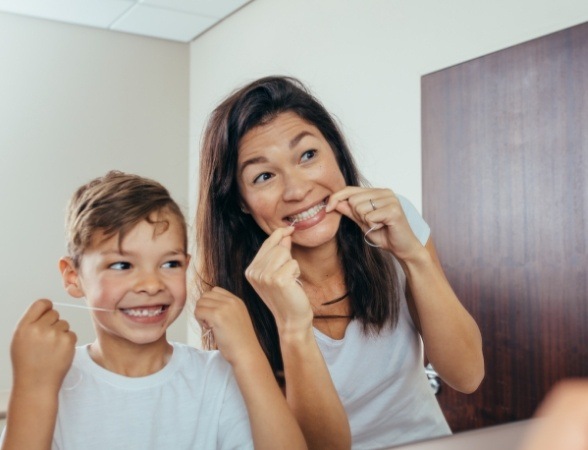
{"x": 262, "y": 178}
{"x": 120, "y": 265}
{"x": 172, "y": 264}
{"x": 308, "y": 154}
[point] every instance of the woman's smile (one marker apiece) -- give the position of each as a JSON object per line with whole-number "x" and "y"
{"x": 307, "y": 214}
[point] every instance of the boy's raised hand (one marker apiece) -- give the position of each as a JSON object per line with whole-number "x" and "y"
{"x": 42, "y": 348}
{"x": 42, "y": 351}
{"x": 227, "y": 317}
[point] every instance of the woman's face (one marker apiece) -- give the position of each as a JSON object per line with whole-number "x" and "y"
{"x": 286, "y": 173}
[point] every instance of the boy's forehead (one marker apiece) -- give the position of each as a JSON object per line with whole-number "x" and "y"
{"x": 158, "y": 224}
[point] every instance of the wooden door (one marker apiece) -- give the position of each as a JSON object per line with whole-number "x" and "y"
{"x": 505, "y": 190}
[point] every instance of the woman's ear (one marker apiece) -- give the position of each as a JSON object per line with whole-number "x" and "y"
{"x": 70, "y": 277}
{"x": 244, "y": 208}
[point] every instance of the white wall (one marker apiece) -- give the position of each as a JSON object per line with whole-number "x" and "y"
{"x": 364, "y": 60}
{"x": 74, "y": 103}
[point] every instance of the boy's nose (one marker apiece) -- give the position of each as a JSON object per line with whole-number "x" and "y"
{"x": 149, "y": 282}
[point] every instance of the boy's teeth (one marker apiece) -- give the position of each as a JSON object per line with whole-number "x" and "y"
{"x": 311, "y": 212}
{"x": 143, "y": 312}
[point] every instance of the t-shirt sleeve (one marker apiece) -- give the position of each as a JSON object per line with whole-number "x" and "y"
{"x": 418, "y": 225}
{"x": 234, "y": 426}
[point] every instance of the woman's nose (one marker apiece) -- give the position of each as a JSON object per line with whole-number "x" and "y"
{"x": 296, "y": 186}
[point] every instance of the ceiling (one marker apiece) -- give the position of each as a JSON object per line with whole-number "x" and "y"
{"x": 175, "y": 20}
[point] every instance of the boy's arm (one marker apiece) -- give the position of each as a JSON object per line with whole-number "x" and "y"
{"x": 42, "y": 351}
{"x": 273, "y": 425}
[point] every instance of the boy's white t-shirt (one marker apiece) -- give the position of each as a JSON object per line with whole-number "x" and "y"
{"x": 192, "y": 403}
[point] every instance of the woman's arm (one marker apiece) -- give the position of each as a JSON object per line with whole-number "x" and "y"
{"x": 42, "y": 350}
{"x": 309, "y": 389}
{"x": 452, "y": 339}
{"x": 311, "y": 394}
{"x": 273, "y": 425}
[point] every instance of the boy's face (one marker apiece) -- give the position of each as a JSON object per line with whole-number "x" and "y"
{"x": 143, "y": 282}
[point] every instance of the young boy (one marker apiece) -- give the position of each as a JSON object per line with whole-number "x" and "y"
{"x": 131, "y": 388}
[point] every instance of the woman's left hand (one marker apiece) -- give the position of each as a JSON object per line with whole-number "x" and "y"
{"x": 381, "y": 210}
{"x": 453, "y": 344}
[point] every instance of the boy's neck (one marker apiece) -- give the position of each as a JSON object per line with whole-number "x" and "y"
{"x": 131, "y": 360}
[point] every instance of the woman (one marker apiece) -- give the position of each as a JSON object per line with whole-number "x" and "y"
{"x": 351, "y": 269}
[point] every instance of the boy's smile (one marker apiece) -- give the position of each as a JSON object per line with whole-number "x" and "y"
{"x": 149, "y": 312}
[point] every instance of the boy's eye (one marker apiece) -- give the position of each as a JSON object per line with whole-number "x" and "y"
{"x": 172, "y": 264}
{"x": 308, "y": 154}
{"x": 262, "y": 177}
{"x": 120, "y": 265}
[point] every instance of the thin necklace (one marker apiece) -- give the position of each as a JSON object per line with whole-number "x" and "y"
{"x": 338, "y": 299}
{"x": 334, "y": 316}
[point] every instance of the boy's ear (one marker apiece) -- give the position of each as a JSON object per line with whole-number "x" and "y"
{"x": 70, "y": 277}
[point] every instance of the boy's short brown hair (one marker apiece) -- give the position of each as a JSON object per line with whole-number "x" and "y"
{"x": 115, "y": 203}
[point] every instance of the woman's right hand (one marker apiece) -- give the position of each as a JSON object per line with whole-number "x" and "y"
{"x": 273, "y": 273}
{"x": 42, "y": 348}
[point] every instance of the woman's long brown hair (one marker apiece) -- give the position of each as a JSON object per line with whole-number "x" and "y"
{"x": 227, "y": 239}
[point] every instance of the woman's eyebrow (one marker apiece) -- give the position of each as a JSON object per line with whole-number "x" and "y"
{"x": 248, "y": 162}
{"x": 299, "y": 137}
{"x": 262, "y": 159}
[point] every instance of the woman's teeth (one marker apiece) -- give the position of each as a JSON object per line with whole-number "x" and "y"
{"x": 144, "y": 312}
{"x": 311, "y": 212}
